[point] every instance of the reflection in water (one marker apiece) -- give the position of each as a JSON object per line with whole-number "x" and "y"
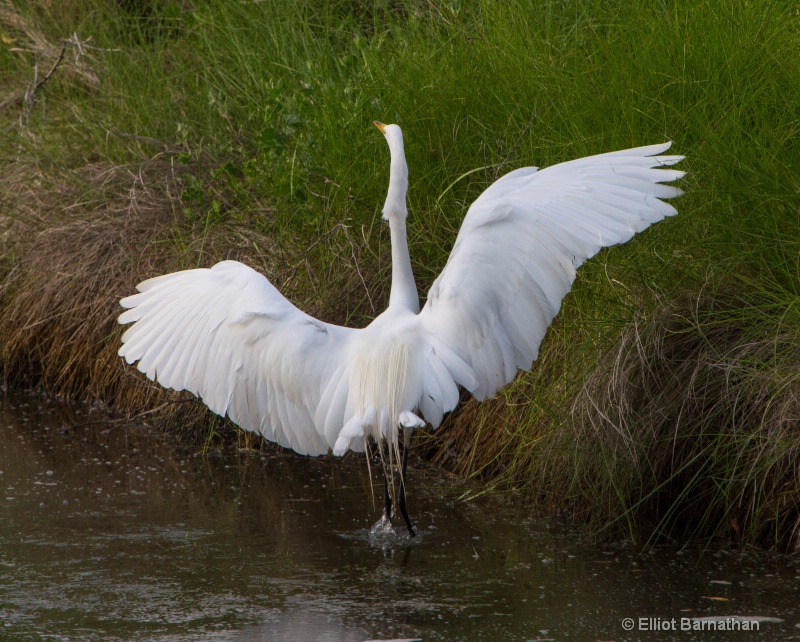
{"x": 109, "y": 533}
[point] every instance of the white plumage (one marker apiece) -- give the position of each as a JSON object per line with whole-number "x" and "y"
{"x": 227, "y": 335}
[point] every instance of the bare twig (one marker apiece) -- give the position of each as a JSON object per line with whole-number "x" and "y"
{"x": 30, "y": 93}
{"x": 38, "y": 45}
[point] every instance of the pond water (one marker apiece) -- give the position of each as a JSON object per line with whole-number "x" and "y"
{"x": 109, "y": 532}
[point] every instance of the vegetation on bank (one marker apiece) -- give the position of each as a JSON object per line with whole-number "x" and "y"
{"x": 143, "y": 136}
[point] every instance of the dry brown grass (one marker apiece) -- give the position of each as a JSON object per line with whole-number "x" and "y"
{"x": 74, "y": 246}
{"x": 75, "y": 243}
{"x": 697, "y": 412}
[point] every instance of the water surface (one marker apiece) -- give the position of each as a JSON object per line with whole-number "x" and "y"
{"x": 110, "y": 532}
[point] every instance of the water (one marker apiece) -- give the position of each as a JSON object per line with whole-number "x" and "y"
{"x": 107, "y": 532}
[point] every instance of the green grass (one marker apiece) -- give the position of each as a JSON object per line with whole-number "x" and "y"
{"x": 262, "y": 112}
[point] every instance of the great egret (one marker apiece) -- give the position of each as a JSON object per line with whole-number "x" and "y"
{"x": 227, "y": 335}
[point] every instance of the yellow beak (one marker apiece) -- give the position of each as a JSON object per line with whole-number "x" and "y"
{"x": 380, "y": 126}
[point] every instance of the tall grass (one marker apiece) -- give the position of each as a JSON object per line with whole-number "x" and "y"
{"x": 259, "y": 114}
{"x": 697, "y": 416}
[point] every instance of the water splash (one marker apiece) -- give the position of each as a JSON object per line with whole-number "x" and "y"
{"x": 383, "y": 528}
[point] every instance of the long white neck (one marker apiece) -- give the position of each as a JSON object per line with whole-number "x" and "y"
{"x": 404, "y": 290}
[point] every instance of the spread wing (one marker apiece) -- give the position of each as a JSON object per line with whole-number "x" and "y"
{"x": 520, "y": 244}
{"x": 227, "y": 335}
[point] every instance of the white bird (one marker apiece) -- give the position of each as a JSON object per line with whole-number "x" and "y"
{"x": 227, "y": 335}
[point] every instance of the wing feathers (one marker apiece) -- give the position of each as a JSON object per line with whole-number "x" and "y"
{"x": 227, "y": 335}
{"x": 520, "y": 245}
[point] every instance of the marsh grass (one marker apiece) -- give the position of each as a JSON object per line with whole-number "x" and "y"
{"x": 243, "y": 130}
{"x": 694, "y": 416}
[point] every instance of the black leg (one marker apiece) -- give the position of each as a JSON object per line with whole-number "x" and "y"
{"x": 402, "y": 498}
{"x": 387, "y": 496}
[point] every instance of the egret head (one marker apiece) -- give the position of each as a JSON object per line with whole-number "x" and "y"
{"x": 395, "y": 204}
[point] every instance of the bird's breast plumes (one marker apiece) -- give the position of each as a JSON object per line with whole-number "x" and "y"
{"x": 382, "y": 384}
{"x": 381, "y": 381}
